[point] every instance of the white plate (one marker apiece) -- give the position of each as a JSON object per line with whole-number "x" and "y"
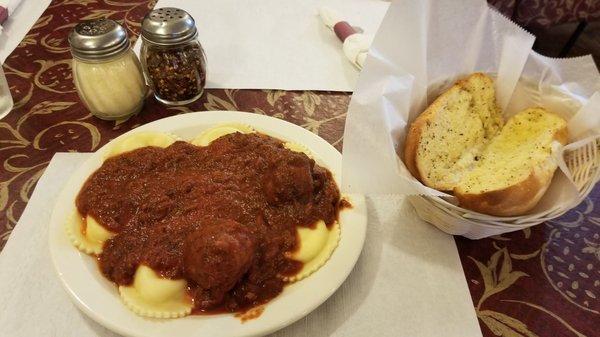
{"x": 99, "y": 299}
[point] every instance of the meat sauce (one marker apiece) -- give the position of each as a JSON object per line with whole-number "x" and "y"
{"x": 223, "y": 216}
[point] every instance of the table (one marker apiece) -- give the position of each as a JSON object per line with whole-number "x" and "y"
{"x": 541, "y": 281}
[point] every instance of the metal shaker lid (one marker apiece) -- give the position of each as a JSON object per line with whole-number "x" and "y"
{"x": 98, "y": 39}
{"x": 168, "y": 26}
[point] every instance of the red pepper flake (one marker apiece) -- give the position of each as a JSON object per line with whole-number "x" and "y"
{"x": 177, "y": 74}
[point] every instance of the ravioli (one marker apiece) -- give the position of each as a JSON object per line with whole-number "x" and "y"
{"x": 88, "y": 236}
{"x": 296, "y": 147}
{"x": 153, "y": 296}
{"x": 149, "y": 294}
{"x": 139, "y": 140}
{"x": 209, "y": 135}
{"x": 316, "y": 246}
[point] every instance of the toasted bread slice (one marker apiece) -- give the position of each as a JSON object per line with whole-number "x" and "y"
{"x": 443, "y": 141}
{"x": 516, "y": 167}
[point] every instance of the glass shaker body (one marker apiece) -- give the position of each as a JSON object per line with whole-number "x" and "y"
{"x": 6, "y": 101}
{"x": 176, "y": 73}
{"x": 111, "y": 88}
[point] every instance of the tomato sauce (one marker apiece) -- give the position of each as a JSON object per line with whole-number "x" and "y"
{"x": 223, "y": 216}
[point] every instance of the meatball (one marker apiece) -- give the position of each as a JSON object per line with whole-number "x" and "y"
{"x": 289, "y": 179}
{"x": 215, "y": 257}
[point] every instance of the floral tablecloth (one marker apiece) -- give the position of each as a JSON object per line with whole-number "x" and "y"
{"x": 543, "y": 281}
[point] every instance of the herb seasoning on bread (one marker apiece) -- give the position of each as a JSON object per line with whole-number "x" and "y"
{"x": 460, "y": 145}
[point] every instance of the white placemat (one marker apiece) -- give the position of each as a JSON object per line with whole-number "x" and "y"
{"x": 18, "y": 24}
{"x": 277, "y": 44}
{"x": 407, "y": 282}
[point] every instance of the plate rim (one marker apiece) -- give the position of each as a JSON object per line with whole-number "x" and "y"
{"x": 357, "y": 212}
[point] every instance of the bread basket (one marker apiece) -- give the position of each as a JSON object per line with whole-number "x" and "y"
{"x": 583, "y": 164}
{"x": 413, "y": 59}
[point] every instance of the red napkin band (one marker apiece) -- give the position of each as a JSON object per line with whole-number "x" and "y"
{"x": 3, "y": 14}
{"x": 343, "y": 29}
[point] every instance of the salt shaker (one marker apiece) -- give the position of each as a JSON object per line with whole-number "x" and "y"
{"x": 107, "y": 74}
{"x": 172, "y": 57}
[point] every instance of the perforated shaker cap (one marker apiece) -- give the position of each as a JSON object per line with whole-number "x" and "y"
{"x": 98, "y": 39}
{"x": 168, "y": 26}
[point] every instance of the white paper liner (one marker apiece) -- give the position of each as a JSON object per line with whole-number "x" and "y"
{"x": 423, "y": 47}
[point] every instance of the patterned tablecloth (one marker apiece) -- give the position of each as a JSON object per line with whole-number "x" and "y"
{"x": 543, "y": 281}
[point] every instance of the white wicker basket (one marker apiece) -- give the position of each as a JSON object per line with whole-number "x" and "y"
{"x": 583, "y": 164}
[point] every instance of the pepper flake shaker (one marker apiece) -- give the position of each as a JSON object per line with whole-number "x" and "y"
{"x": 172, "y": 57}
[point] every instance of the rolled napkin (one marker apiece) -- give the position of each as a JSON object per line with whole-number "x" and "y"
{"x": 355, "y": 44}
{"x": 6, "y": 8}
